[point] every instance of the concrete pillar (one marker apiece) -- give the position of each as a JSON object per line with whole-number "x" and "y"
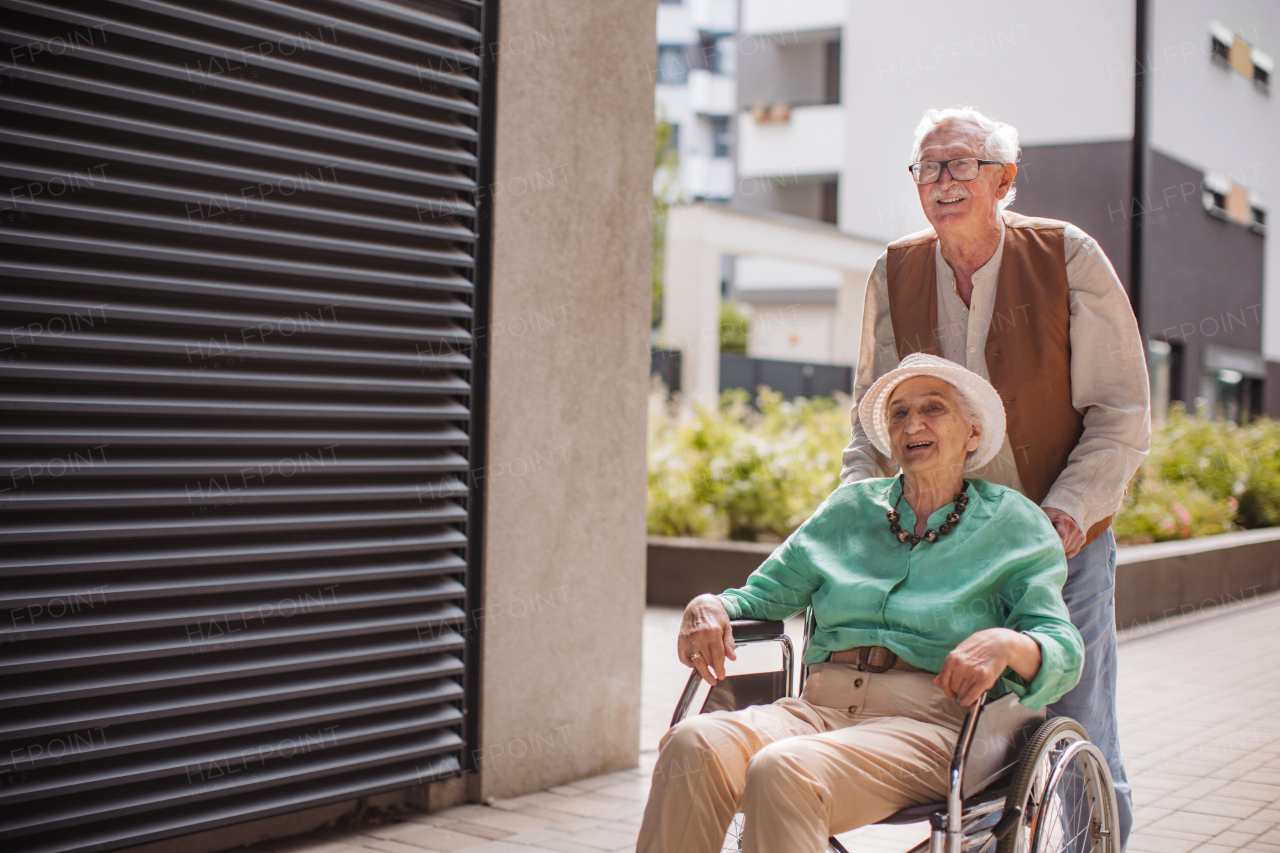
{"x": 564, "y": 535}
{"x": 691, "y": 303}
{"x": 846, "y": 333}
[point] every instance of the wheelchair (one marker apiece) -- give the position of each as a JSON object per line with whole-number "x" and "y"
{"x": 1018, "y": 783}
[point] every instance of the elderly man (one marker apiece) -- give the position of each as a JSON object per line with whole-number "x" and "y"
{"x": 1034, "y": 306}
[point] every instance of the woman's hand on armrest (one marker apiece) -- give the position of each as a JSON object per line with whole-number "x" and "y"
{"x": 974, "y": 666}
{"x": 705, "y": 632}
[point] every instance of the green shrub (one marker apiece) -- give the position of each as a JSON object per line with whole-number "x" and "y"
{"x": 756, "y": 472}
{"x": 1159, "y": 510}
{"x": 743, "y": 472}
{"x": 734, "y": 324}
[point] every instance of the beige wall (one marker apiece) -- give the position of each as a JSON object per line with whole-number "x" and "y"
{"x": 565, "y": 489}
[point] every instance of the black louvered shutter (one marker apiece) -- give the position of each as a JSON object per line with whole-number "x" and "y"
{"x": 237, "y": 249}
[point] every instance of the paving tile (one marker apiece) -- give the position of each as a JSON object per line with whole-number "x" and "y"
{"x": 561, "y": 820}
{"x": 1192, "y": 824}
{"x": 1144, "y": 843}
{"x": 479, "y": 830}
{"x": 388, "y": 846}
{"x": 441, "y": 839}
{"x": 537, "y": 799}
{"x": 602, "y": 839}
{"x": 568, "y": 847}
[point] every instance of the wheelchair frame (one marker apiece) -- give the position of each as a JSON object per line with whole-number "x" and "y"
{"x": 978, "y": 823}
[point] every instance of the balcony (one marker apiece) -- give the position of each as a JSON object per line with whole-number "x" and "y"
{"x": 714, "y": 16}
{"x": 795, "y": 142}
{"x": 702, "y": 176}
{"x": 712, "y": 94}
{"x": 764, "y": 17}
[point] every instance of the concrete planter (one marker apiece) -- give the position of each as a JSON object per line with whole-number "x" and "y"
{"x": 1152, "y": 581}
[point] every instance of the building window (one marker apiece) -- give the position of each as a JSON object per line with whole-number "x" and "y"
{"x": 830, "y": 201}
{"x": 831, "y": 95}
{"x": 726, "y": 56}
{"x": 719, "y": 136}
{"x": 673, "y": 68}
{"x": 672, "y": 144}
{"x": 1231, "y": 384}
{"x": 1231, "y": 51}
{"x": 1230, "y": 201}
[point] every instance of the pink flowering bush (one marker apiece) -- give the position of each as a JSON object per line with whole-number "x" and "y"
{"x": 1203, "y": 477}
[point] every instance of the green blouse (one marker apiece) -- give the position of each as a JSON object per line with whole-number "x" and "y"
{"x": 1001, "y": 566}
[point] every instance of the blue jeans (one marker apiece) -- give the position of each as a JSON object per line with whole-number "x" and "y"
{"x": 1090, "y": 596}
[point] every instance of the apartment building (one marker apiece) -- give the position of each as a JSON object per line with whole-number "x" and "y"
{"x": 1147, "y": 123}
{"x": 695, "y": 89}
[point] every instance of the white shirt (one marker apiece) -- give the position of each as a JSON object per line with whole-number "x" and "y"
{"x": 1109, "y": 384}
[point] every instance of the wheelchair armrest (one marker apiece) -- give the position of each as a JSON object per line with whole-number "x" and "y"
{"x": 757, "y": 629}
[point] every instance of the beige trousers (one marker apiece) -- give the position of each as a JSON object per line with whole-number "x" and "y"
{"x": 852, "y": 750}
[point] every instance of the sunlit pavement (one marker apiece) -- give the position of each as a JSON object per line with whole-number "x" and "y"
{"x": 1200, "y": 724}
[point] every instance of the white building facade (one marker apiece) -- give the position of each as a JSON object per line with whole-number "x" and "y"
{"x": 828, "y": 93}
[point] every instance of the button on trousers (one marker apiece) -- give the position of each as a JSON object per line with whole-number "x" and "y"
{"x": 852, "y": 750}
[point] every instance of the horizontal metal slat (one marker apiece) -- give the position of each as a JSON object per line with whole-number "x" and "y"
{"x": 392, "y": 690}
{"x": 67, "y": 655}
{"x": 204, "y": 211}
{"x": 156, "y": 558}
{"x": 229, "y": 378}
{"x": 72, "y": 594}
{"x": 272, "y": 125}
{"x": 199, "y": 352}
{"x": 408, "y": 15}
{"x": 206, "y": 408}
{"x": 291, "y": 668}
{"x": 426, "y": 303}
{"x": 205, "y": 494}
{"x": 119, "y": 250}
{"x": 315, "y": 46}
{"x": 60, "y": 436}
{"x": 429, "y": 712}
{"x": 249, "y": 613}
{"x": 260, "y": 804}
{"x": 347, "y": 109}
{"x": 129, "y": 800}
{"x": 243, "y": 176}
{"x": 152, "y": 530}
{"x": 435, "y": 23}
{"x": 249, "y": 473}
{"x": 240, "y": 146}
{"x": 261, "y": 238}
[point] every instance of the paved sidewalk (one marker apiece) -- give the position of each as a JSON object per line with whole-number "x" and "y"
{"x": 1200, "y": 720}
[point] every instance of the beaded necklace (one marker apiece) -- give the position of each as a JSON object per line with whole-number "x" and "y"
{"x": 930, "y": 535}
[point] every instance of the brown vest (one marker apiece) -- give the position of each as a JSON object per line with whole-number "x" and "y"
{"x": 1028, "y": 345}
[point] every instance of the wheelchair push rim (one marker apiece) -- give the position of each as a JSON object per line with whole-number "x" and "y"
{"x": 1063, "y": 796}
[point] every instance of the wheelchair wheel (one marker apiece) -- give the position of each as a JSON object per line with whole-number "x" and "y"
{"x": 1064, "y": 796}
{"x": 733, "y": 838}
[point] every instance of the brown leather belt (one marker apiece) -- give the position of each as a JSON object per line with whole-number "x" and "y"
{"x": 872, "y": 659}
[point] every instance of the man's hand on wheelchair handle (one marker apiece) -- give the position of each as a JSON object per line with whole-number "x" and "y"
{"x": 706, "y": 633}
{"x": 974, "y": 666}
{"x": 1068, "y": 531}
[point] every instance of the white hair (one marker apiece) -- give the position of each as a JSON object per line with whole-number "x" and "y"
{"x": 1000, "y": 140}
{"x": 969, "y": 414}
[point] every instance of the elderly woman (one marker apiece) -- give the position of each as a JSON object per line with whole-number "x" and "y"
{"x": 927, "y": 590}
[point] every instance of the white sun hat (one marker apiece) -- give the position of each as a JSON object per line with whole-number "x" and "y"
{"x": 979, "y": 393}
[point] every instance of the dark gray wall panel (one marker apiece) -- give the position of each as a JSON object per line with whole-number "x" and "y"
{"x": 1086, "y": 184}
{"x": 238, "y": 249}
{"x": 1202, "y": 276}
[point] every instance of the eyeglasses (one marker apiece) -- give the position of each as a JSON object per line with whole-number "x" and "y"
{"x": 961, "y": 169}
